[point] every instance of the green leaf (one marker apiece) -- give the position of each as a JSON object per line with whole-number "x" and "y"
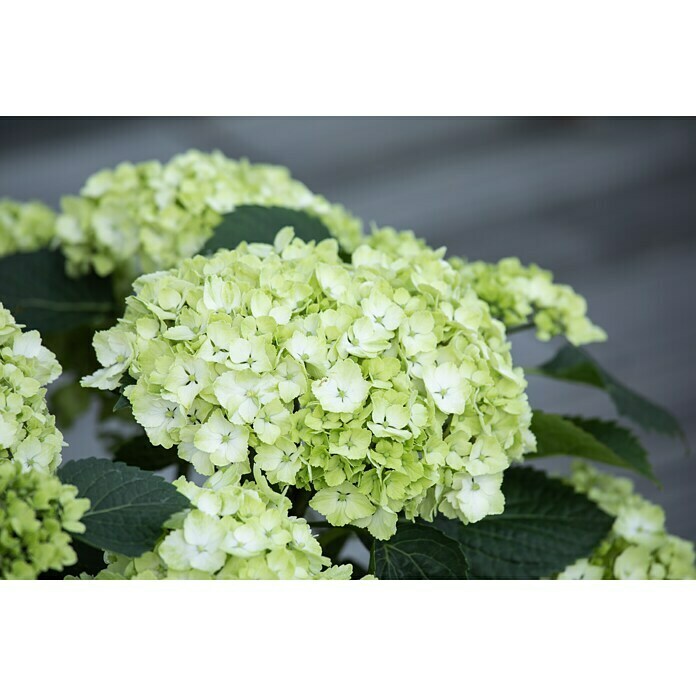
{"x": 419, "y": 552}
{"x": 255, "y": 223}
{"x": 545, "y": 527}
{"x": 576, "y": 365}
{"x": 36, "y": 289}
{"x": 601, "y": 441}
{"x": 140, "y": 452}
{"x": 129, "y": 506}
{"x": 619, "y": 440}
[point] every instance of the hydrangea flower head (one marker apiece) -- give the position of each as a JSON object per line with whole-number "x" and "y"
{"x": 519, "y": 294}
{"x": 233, "y": 531}
{"x": 25, "y": 226}
{"x": 28, "y": 434}
{"x": 383, "y": 384}
{"x": 638, "y": 547}
{"x": 37, "y": 515}
{"x": 145, "y": 217}
{"x": 515, "y": 294}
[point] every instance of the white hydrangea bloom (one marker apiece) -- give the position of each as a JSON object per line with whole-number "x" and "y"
{"x": 149, "y": 216}
{"x": 234, "y": 531}
{"x": 476, "y": 496}
{"x": 25, "y": 226}
{"x": 638, "y": 547}
{"x": 519, "y": 294}
{"x": 28, "y": 433}
{"x": 343, "y": 389}
{"x": 514, "y": 293}
{"x": 382, "y": 385}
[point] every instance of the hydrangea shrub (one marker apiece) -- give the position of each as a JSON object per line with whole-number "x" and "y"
{"x": 330, "y": 385}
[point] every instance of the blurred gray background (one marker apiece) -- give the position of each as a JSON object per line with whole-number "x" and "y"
{"x": 608, "y": 204}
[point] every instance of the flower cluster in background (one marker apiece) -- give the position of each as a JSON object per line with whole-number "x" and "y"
{"x": 383, "y": 384}
{"x": 638, "y": 547}
{"x": 37, "y": 512}
{"x": 139, "y": 218}
{"x": 37, "y": 515}
{"x": 233, "y": 531}
{"x": 520, "y": 294}
{"x": 515, "y": 294}
{"x": 25, "y": 226}
{"x": 28, "y": 434}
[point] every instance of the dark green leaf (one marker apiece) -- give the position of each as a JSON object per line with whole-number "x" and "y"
{"x": 545, "y": 527}
{"x": 419, "y": 552}
{"x": 601, "y": 441}
{"x": 619, "y": 440}
{"x": 254, "y": 223}
{"x": 129, "y": 506}
{"x": 36, "y": 289}
{"x": 576, "y": 365}
{"x": 140, "y": 452}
